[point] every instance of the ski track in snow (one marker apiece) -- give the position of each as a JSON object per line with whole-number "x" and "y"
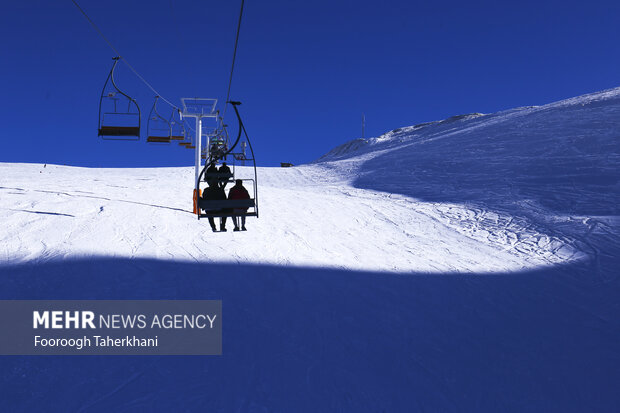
{"x": 309, "y": 217}
{"x": 539, "y": 182}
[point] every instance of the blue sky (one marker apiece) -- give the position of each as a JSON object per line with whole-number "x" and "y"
{"x": 305, "y": 70}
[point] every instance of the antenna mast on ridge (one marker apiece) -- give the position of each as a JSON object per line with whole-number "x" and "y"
{"x": 363, "y": 125}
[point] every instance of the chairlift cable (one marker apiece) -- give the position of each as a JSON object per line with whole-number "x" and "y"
{"x": 96, "y": 28}
{"x": 121, "y": 57}
{"x": 232, "y": 68}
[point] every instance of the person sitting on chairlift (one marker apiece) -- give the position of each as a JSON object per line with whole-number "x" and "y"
{"x": 224, "y": 169}
{"x": 215, "y": 193}
{"x": 218, "y": 147}
{"x": 212, "y": 169}
{"x": 214, "y": 151}
{"x": 239, "y": 192}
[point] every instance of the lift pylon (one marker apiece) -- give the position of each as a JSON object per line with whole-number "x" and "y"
{"x": 198, "y": 108}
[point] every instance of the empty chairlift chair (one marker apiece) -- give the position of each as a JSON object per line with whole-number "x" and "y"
{"x": 187, "y": 141}
{"x": 158, "y": 127}
{"x": 119, "y": 114}
{"x": 177, "y": 127}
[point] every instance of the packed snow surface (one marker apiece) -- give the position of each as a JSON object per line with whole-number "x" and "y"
{"x": 309, "y": 216}
{"x": 469, "y": 264}
{"x": 542, "y": 182}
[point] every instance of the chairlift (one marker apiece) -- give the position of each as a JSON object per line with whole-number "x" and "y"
{"x": 216, "y": 141}
{"x": 119, "y": 114}
{"x": 177, "y": 126}
{"x": 224, "y": 208}
{"x": 241, "y": 156}
{"x": 158, "y": 128}
{"x": 218, "y": 144}
{"x": 187, "y": 139}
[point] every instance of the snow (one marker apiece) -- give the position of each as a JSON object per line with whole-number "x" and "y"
{"x": 541, "y": 179}
{"x": 310, "y": 215}
{"x": 469, "y": 264}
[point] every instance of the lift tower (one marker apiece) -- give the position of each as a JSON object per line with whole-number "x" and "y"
{"x": 199, "y": 108}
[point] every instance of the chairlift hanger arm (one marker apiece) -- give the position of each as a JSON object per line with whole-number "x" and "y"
{"x": 234, "y": 105}
{"x": 116, "y": 59}
{"x": 251, "y": 151}
{"x": 241, "y": 127}
{"x": 103, "y": 90}
{"x": 154, "y": 110}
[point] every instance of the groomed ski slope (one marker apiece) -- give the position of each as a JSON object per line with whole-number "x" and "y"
{"x": 309, "y": 216}
{"x": 469, "y": 264}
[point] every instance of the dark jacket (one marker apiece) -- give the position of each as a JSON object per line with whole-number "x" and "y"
{"x": 224, "y": 169}
{"x": 212, "y": 169}
{"x": 214, "y": 193}
{"x": 239, "y": 192}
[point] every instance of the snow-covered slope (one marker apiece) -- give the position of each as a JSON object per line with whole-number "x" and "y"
{"x": 469, "y": 264}
{"x": 552, "y": 169}
{"x": 517, "y": 189}
{"x": 308, "y": 216}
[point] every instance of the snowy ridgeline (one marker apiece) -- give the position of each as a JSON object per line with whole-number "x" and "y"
{"x": 518, "y": 189}
{"x": 553, "y": 170}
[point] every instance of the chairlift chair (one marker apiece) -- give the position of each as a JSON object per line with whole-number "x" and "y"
{"x": 187, "y": 139}
{"x": 119, "y": 113}
{"x": 177, "y": 127}
{"x": 216, "y": 141}
{"x": 224, "y": 208}
{"x": 158, "y": 128}
{"x": 241, "y": 156}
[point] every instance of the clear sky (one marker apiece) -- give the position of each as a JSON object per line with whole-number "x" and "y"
{"x": 306, "y": 70}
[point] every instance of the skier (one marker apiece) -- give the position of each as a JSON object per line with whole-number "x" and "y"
{"x": 239, "y": 192}
{"x": 215, "y": 193}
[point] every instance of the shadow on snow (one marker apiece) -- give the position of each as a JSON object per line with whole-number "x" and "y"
{"x": 560, "y": 171}
{"x": 308, "y": 339}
